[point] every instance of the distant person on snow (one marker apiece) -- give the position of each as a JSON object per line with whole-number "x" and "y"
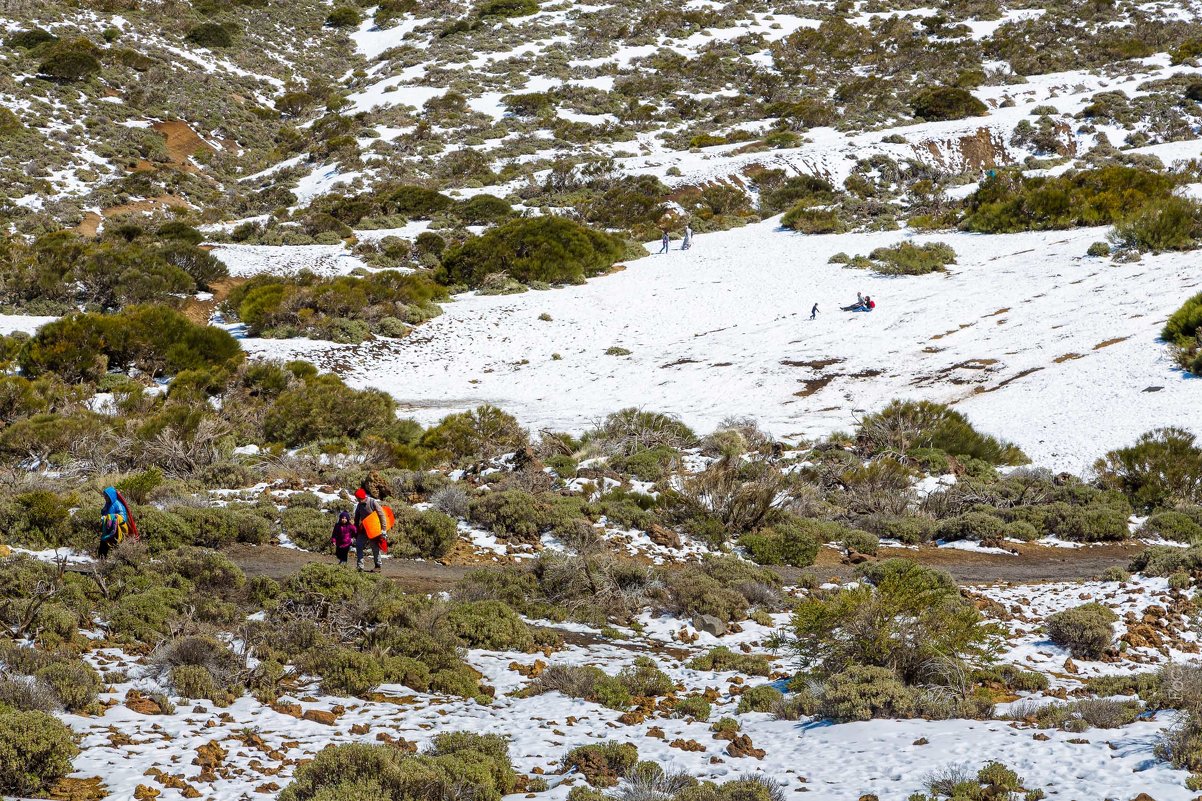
{"x": 814, "y": 312}
{"x": 862, "y": 304}
{"x": 343, "y": 537}
{"x": 664, "y": 241}
{"x": 116, "y": 522}
{"x": 688, "y": 238}
{"x": 367, "y": 505}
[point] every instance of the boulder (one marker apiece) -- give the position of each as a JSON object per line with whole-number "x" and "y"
{"x": 710, "y": 624}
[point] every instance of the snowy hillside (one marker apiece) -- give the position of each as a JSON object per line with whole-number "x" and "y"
{"x": 1032, "y": 340}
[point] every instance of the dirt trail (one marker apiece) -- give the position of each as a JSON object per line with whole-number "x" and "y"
{"x": 1032, "y": 564}
{"x": 201, "y": 311}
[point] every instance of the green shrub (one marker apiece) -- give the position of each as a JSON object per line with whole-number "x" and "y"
{"x": 1183, "y": 331}
{"x": 73, "y": 60}
{"x": 344, "y": 17}
{"x": 946, "y": 103}
{"x": 695, "y": 707}
{"x": 903, "y": 426}
{"x": 35, "y": 751}
{"x": 759, "y": 699}
{"x": 792, "y": 542}
{"x": 548, "y": 249}
{"x": 347, "y": 672}
{"x": 454, "y": 760}
{"x": 431, "y": 533}
{"x": 483, "y": 433}
{"x": 211, "y": 35}
{"x": 1009, "y": 202}
{"x": 491, "y": 625}
{"x": 602, "y": 764}
{"x": 484, "y": 209}
{"x": 145, "y": 616}
{"x": 806, "y": 219}
{"x": 1174, "y": 526}
{"x": 1171, "y": 223}
{"x": 970, "y": 526}
{"x": 861, "y": 542}
{"x": 1084, "y": 630}
{"x": 910, "y": 259}
{"x": 322, "y": 408}
{"x": 1163, "y": 467}
{"x": 1115, "y": 573}
{"x": 153, "y": 339}
{"x": 1098, "y": 250}
{"x": 722, "y": 659}
{"x": 908, "y": 616}
{"x": 865, "y": 692}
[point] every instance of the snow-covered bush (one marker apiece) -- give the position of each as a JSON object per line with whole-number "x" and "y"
{"x": 1084, "y": 630}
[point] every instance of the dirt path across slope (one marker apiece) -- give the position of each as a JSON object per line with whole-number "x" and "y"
{"x": 1032, "y": 564}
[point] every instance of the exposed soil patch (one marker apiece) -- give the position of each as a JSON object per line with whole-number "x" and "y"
{"x": 90, "y": 226}
{"x": 201, "y": 311}
{"x": 816, "y": 364}
{"x": 1106, "y": 343}
{"x": 813, "y": 385}
{"x": 1068, "y": 357}
{"x": 1011, "y": 379}
{"x": 952, "y": 331}
{"x": 182, "y": 143}
{"x": 677, "y": 363}
{"x": 996, "y": 313}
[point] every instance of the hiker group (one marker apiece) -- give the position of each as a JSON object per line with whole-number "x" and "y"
{"x": 366, "y": 528}
{"x": 666, "y": 241}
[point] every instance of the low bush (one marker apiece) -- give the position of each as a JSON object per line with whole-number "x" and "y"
{"x": 695, "y": 707}
{"x": 1171, "y": 223}
{"x": 759, "y": 699}
{"x": 549, "y": 249}
{"x": 1163, "y": 468}
{"x": 977, "y": 526}
{"x": 1010, "y": 202}
{"x": 908, "y": 258}
{"x": 602, "y": 764}
{"x": 344, "y": 17}
{"x": 35, "y": 751}
{"x": 905, "y": 426}
{"x": 153, "y": 339}
{"x": 722, "y": 659}
{"x": 431, "y": 533}
{"x": 1183, "y": 332}
{"x": 908, "y": 619}
{"x": 946, "y": 103}
{"x": 1084, "y": 630}
{"x": 453, "y": 761}
{"x": 491, "y": 625}
{"x": 1175, "y": 526}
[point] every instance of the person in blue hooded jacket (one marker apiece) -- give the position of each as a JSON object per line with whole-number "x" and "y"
{"x": 116, "y": 521}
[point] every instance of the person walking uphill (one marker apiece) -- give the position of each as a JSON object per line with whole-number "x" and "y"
{"x": 343, "y": 537}
{"x": 116, "y": 522}
{"x": 665, "y": 242}
{"x": 366, "y": 507}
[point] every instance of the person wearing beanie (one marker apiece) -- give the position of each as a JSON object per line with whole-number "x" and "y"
{"x": 367, "y": 505}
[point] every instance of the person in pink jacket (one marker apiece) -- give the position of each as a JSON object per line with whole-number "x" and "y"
{"x": 343, "y": 536}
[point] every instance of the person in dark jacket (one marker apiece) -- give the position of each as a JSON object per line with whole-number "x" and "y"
{"x": 664, "y": 242}
{"x": 367, "y": 505}
{"x": 343, "y": 536}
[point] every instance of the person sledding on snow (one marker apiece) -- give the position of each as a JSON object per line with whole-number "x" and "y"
{"x": 369, "y": 535}
{"x": 116, "y": 522}
{"x": 863, "y": 304}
